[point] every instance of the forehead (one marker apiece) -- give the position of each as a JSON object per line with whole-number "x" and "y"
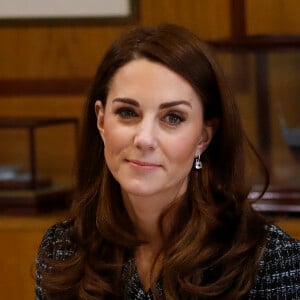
{"x": 142, "y": 79}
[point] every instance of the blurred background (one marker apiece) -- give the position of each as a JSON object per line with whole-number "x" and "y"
{"x": 46, "y": 67}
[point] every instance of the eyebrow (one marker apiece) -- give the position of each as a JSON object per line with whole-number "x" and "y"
{"x": 162, "y": 106}
{"x": 127, "y": 101}
{"x": 174, "y": 103}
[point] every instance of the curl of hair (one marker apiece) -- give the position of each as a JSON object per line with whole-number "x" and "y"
{"x": 216, "y": 241}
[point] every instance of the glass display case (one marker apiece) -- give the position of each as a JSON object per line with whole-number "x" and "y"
{"x": 29, "y": 192}
{"x": 264, "y": 74}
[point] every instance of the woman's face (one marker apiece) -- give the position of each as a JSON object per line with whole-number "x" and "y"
{"x": 153, "y": 128}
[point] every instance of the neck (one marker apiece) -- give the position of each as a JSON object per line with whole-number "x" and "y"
{"x": 145, "y": 214}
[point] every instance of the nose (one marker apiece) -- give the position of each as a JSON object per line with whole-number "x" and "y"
{"x": 146, "y": 135}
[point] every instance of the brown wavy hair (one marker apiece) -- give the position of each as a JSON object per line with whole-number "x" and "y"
{"x": 215, "y": 245}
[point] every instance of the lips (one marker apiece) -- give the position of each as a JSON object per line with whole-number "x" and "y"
{"x": 143, "y": 163}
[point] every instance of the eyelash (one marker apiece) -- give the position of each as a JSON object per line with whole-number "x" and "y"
{"x": 173, "y": 115}
{"x": 127, "y": 113}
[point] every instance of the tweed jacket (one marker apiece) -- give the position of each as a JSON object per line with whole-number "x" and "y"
{"x": 278, "y": 276}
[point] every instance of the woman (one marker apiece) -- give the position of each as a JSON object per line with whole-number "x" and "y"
{"x": 161, "y": 210}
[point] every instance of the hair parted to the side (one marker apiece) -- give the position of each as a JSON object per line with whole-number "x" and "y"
{"x": 213, "y": 249}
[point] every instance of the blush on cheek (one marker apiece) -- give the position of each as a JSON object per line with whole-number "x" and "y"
{"x": 183, "y": 150}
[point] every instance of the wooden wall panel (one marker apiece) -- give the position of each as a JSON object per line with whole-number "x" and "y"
{"x": 74, "y": 51}
{"x": 209, "y": 19}
{"x": 21, "y": 237}
{"x": 291, "y": 225}
{"x": 53, "y": 52}
{"x": 273, "y": 16}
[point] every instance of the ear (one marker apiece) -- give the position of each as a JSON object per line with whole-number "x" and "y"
{"x": 208, "y": 132}
{"x": 99, "y": 110}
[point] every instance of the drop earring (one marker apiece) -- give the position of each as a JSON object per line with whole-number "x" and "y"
{"x": 198, "y": 163}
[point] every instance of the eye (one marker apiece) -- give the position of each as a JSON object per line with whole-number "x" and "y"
{"x": 174, "y": 119}
{"x": 126, "y": 112}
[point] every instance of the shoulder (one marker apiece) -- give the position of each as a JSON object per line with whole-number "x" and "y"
{"x": 57, "y": 242}
{"x": 279, "y": 270}
{"x": 57, "y": 245}
{"x": 281, "y": 248}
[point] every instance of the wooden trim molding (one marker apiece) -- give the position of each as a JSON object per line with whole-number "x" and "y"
{"x": 68, "y": 86}
{"x": 258, "y": 43}
{"x": 278, "y": 201}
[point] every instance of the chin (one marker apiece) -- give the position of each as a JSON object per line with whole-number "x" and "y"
{"x": 139, "y": 191}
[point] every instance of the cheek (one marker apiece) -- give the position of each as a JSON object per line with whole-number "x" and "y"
{"x": 116, "y": 140}
{"x": 113, "y": 141}
{"x": 182, "y": 149}
{"x": 111, "y": 151}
